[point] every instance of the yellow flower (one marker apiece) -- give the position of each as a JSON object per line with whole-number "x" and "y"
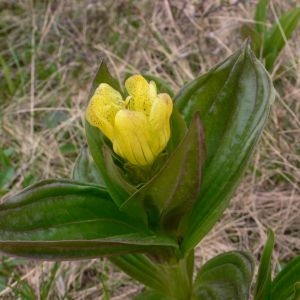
{"x": 139, "y": 127}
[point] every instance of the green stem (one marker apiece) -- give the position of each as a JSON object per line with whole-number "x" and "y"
{"x": 178, "y": 279}
{"x": 173, "y": 279}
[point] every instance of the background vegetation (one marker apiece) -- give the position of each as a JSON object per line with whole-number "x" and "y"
{"x": 49, "y": 52}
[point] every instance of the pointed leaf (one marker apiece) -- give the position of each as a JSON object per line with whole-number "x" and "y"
{"x": 285, "y": 286}
{"x": 173, "y": 190}
{"x": 118, "y": 188}
{"x": 263, "y": 281}
{"x": 225, "y": 277}
{"x": 85, "y": 169}
{"x": 162, "y": 85}
{"x": 233, "y": 100}
{"x": 103, "y": 76}
{"x": 248, "y": 31}
{"x": 64, "y": 220}
{"x": 260, "y": 17}
{"x": 201, "y": 93}
{"x": 277, "y": 36}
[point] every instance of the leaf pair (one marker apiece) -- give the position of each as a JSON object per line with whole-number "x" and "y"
{"x": 62, "y": 219}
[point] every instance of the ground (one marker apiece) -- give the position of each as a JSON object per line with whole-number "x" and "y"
{"x": 49, "y": 53}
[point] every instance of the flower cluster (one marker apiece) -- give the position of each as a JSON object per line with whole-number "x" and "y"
{"x": 138, "y": 126}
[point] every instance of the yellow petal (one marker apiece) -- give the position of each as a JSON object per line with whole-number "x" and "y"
{"x": 139, "y": 90}
{"x": 152, "y": 91}
{"x": 160, "y": 119}
{"x": 102, "y": 109}
{"x": 133, "y": 138}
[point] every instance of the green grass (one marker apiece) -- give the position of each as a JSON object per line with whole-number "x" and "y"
{"x": 49, "y": 54}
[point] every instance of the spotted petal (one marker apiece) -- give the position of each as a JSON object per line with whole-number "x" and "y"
{"x": 102, "y": 109}
{"x": 140, "y": 93}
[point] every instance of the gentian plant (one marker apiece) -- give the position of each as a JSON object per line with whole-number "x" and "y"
{"x": 157, "y": 175}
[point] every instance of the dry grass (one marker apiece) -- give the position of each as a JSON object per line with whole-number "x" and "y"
{"x": 52, "y": 49}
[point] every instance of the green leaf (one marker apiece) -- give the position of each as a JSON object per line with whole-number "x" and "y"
{"x": 285, "y": 286}
{"x": 263, "y": 281}
{"x": 66, "y": 220}
{"x": 118, "y": 188}
{"x": 248, "y": 31}
{"x": 225, "y": 277}
{"x": 151, "y": 295}
{"x": 49, "y": 282}
{"x": 103, "y": 76}
{"x": 173, "y": 190}
{"x": 277, "y": 36}
{"x": 260, "y": 17}
{"x": 233, "y": 100}
{"x": 296, "y": 295}
{"x": 178, "y": 130}
{"x": 85, "y": 170}
{"x": 7, "y": 170}
{"x": 201, "y": 93}
{"x": 162, "y": 85}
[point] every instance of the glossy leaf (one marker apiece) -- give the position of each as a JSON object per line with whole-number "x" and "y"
{"x": 285, "y": 286}
{"x": 225, "y": 277}
{"x": 233, "y": 100}
{"x": 85, "y": 170}
{"x": 263, "y": 281}
{"x": 173, "y": 190}
{"x": 277, "y": 36}
{"x": 103, "y": 156}
{"x": 66, "y": 220}
{"x": 201, "y": 93}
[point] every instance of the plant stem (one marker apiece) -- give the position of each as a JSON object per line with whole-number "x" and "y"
{"x": 173, "y": 279}
{"x": 178, "y": 279}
